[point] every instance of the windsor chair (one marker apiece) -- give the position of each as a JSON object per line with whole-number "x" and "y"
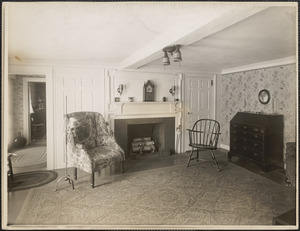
{"x": 204, "y": 136}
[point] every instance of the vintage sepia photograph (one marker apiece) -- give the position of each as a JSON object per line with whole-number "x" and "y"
{"x": 149, "y": 115}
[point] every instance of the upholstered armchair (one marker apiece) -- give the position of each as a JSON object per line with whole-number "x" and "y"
{"x": 91, "y": 146}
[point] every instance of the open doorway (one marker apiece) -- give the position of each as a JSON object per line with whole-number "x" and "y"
{"x": 28, "y": 123}
{"x": 37, "y": 112}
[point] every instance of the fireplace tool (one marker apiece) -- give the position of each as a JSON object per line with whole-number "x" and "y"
{"x": 66, "y": 177}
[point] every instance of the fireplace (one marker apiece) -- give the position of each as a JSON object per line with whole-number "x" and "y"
{"x": 161, "y": 130}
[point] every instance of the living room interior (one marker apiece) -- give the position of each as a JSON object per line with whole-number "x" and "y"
{"x": 152, "y": 70}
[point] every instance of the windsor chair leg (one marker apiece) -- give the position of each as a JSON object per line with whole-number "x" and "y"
{"x": 93, "y": 180}
{"x": 214, "y": 159}
{"x": 188, "y": 162}
{"x": 75, "y": 173}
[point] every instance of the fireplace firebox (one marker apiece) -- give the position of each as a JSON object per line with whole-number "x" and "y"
{"x": 161, "y": 130}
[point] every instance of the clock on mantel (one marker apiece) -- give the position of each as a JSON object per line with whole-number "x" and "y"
{"x": 149, "y": 91}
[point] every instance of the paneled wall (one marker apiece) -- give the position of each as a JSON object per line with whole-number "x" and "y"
{"x": 75, "y": 90}
{"x": 134, "y": 81}
{"x": 240, "y": 93}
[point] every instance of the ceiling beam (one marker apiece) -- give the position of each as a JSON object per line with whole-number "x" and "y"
{"x": 186, "y": 33}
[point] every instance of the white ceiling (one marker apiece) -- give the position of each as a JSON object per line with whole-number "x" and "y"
{"x": 214, "y": 36}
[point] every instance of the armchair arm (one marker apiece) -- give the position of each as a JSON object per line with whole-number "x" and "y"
{"x": 206, "y": 138}
{"x": 79, "y": 157}
{"x": 111, "y": 141}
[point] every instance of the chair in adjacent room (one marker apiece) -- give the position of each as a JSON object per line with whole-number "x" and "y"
{"x": 38, "y": 123}
{"x": 91, "y": 146}
{"x": 204, "y": 136}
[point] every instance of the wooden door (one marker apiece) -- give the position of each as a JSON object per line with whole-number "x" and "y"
{"x": 199, "y": 101}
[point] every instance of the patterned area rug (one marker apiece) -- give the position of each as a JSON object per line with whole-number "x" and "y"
{"x": 30, "y": 157}
{"x": 28, "y": 180}
{"x": 170, "y": 196}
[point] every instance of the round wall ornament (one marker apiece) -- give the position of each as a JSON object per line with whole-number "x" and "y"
{"x": 264, "y": 96}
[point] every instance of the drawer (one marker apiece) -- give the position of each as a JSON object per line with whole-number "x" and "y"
{"x": 256, "y": 137}
{"x": 240, "y": 149}
{"x": 258, "y": 156}
{"x": 256, "y": 146}
{"x": 237, "y": 132}
{"x": 241, "y": 140}
{"x": 243, "y": 136}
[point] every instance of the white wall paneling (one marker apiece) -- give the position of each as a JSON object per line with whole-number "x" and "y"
{"x": 133, "y": 87}
{"x": 76, "y": 90}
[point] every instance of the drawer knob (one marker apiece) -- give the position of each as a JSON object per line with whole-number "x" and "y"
{"x": 255, "y": 154}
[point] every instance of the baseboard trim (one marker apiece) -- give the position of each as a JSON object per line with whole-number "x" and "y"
{"x": 224, "y": 146}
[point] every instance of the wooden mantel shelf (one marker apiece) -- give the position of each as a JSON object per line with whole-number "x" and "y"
{"x": 145, "y": 108}
{"x": 145, "y": 102}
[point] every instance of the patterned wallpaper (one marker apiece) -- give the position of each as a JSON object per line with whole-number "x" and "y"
{"x": 240, "y": 93}
{"x": 18, "y": 105}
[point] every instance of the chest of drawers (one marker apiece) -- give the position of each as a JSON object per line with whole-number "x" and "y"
{"x": 258, "y": 138}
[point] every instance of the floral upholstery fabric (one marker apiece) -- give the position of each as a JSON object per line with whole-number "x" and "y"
{"x": 90, "y": 144}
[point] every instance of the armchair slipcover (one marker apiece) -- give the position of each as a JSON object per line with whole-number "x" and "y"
{"x": 91, "y": 146}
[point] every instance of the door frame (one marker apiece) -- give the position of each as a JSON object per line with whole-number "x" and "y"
{"x": 47, "y": 72}
{"x": 196, "y": 76}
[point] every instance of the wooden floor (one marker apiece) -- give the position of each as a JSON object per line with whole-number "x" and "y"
{"x": 146, "y": 162}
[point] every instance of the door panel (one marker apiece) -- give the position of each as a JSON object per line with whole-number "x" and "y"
{"x": 199, "y": 101}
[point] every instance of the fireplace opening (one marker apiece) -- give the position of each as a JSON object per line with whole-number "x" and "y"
{"x": 159, "y": 130}
{"x": 146, "y": 137}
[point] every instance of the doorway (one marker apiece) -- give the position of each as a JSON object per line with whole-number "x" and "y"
{"x": 29, "y": 120}
{"x": 200, "y": 101}
{"x": 37, "y": 112}
{"x": 15, "y": 116}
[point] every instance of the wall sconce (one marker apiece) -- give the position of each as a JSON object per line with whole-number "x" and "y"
{"x": 172, "y": 90}
{"x": 120, "y": 89}
{"x": 174, "y": 49}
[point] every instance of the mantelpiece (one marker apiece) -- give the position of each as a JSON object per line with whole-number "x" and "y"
{"x": 140, "y": 109}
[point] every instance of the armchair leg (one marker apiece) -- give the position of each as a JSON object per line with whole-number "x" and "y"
{"x": 75, "y": 173}
{"x": 93, "y": 180}
{"x": 191, "y": 153}
{"x": 122, "y": 166}
{"x": 214, "y": 159}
